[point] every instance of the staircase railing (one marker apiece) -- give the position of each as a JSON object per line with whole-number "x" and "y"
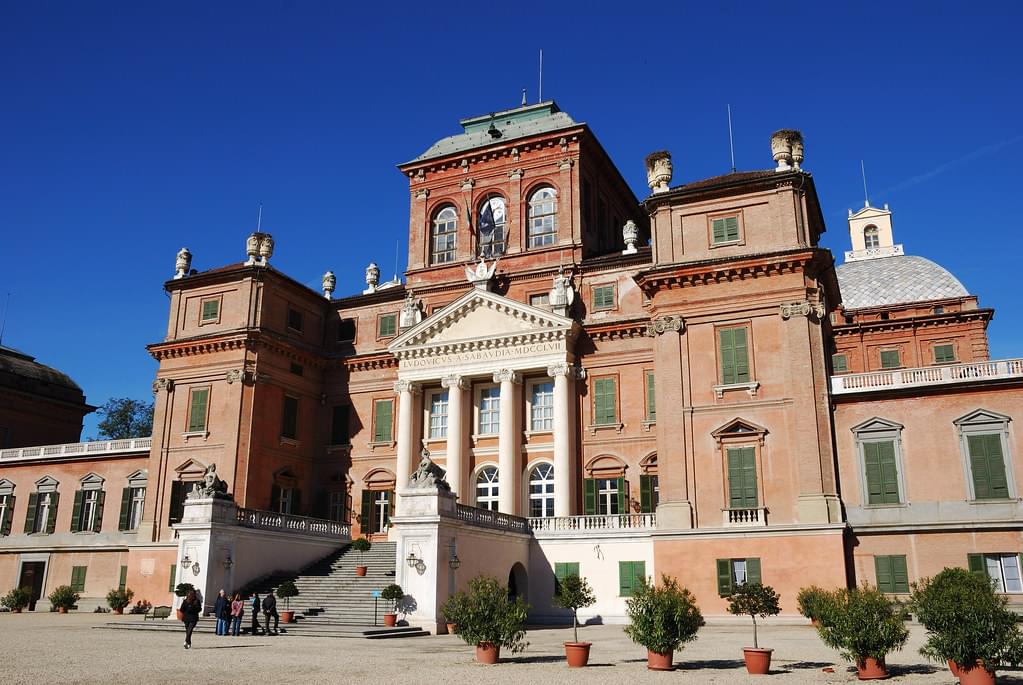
{"x": 485, "y": 518}
{"x": 290, "y": 523}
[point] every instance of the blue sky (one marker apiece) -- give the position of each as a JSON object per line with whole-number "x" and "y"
{"x": 128, "y": 130}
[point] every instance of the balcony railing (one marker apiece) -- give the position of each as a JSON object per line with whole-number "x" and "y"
{"x": 593, "y": 523}
{"x": 927, "y": 376}
{"x": 744, "y": 518}
{"x": 289, "y": 523}
{"x": 486, "y": 518}
{"x": 78, "y": 449}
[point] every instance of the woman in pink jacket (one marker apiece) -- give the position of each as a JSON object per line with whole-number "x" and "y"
{"x": 237, "y": 611}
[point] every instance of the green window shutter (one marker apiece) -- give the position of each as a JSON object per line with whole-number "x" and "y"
{"x": 975, "y": 562}
{"x": 839, "y": 363}
{"x": 724, "y": 568}
{"x": 197, "y": 411}
{"x": 890, "y": 359}
{"x": 718, "y": 226}
{"x": 97, "y": 524}
{"x": 623, "y": 497}
{"x": 734, "y": 355}
{"x": 51, "y": 522}
{"x": 943, "y": 354}
{"x": 176, "y": 508}
{"x": 742, "y": 478}
{"x": 646, "y": 494}
{"x": 753, "y": 570}
{"x": 725, "y": 337}
{"x": 604, "y": 401}
{"x": 732, "y": 228}
{"x": 123, "y": 582}
{"x": 210, "y": 310}
{"x": 367, "y": 510}
{"x": 562, "y": 570}
{"x": 881, "y": 472}
{"x": 122, "y": 521}
{"x": 388, "y": 324}
{"x": 173, "y": 577}
{"x": 78, "y": 578}
{"x": 638, "y": 573}
{"x": 987, "y": 466}
{"x": 76, "y": 512}
{"x": 590, "y": 496}
{"x": 30, "y": 517}
{"x": 383, "y": 421}
{"x": 5, "y": 525}
{"x": 900, "y": 574}
{"x": 626, "y": 579}
{"x": 883, "y": 573}
{"x": 651, "y": 399}
{"x": 741, "y": 356}
{"x": 289, "y": 418}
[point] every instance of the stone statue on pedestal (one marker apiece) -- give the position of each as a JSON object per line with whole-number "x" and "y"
{"x": 210, "y": 486}
{"x": 428, "y": 475}
{"x": 562, "y": 295}
{"x": 411, "y": 312}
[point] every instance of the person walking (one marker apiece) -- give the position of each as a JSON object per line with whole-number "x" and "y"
{"x": 222, "y": 612}
{"x": 255, "y": 614}
{"x": 270, "y": 609}
{"x": 190, "y": 610}
{"x": 237, "y": 612}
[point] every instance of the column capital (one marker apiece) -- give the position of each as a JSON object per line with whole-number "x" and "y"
{"x": 664, "y": 324}
{"x": 401, "y": 386}
{"x": 455, "y": 381}
{"x": 570, "y": 371}
{"x": 507, "y": 375}
{"x": 163, "y": 384}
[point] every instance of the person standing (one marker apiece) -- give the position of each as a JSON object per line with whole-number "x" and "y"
{"x": 255, "y": 614}
{"x": 222, "y": 611}
{"x": 237, "y": 612}
{"x": 190, "y": 610}
{"x": 270, "y": 609}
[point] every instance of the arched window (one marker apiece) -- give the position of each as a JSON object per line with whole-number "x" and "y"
{"x": 543, "y": 219}
{"x": 870, "y": 239}
{"x": 490, "y": 225}
{"x": 541, "y": 490}
{"x": 442, "y": 238}
{"x": 486, "y": 488}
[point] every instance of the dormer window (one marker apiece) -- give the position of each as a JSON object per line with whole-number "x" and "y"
{"x": 870, "y": 238}
{"x": 443, "y": 236}
{"x": 490, "y": 227}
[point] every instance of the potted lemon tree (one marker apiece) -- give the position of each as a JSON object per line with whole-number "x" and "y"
{"x": 662, "y": 618}
{"x": 17, "y": 599}
{"x": 361, "y": 546}
{"x": 810, "y": 602}
{"x": 64, "y": 598}
{"x": 488, "y": 619}
{"x": 392, "y": 593}
{"x": 574, "y": 593}
{"x": 118, "y": 599}
{"x": 754, "y": 599}
{"x": 865, "y": 626}
{"x": 286, "y": 591}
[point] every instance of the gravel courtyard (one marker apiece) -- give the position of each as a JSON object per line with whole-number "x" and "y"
{"x": 49, "y": 648}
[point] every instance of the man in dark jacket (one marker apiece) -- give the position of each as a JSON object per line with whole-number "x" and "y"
{"x": 222, "y": 611}
{"x": 270, "y": 609}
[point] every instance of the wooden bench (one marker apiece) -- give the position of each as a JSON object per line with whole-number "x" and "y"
{"x": 157, "y": 612}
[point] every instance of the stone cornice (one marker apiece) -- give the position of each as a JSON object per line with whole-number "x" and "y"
{"x": 247, "y": 340}
{"x": 617, "y": 330}
{"x": 706, "y": 272}
{"x": 371, "y": 362}
{"x": 925, "y": 321}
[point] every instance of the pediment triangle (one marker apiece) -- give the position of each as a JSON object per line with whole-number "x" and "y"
{"x": 876, "y": 424}
{"x": 982, "y": 416}
{"x": 739, "y": 427}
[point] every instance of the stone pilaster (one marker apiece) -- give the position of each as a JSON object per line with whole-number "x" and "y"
{"x": 509, "y": 443}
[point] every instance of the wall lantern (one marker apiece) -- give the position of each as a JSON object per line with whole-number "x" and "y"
{"x": 185, "y": 561}
{"x": 454, "y": 562}
{"x": 412, "y": 560}
{"x": 195, "y": 569}
{"x": 228, "y": 563}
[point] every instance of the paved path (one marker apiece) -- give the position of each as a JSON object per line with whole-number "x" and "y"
{"x": 49, "y": 648}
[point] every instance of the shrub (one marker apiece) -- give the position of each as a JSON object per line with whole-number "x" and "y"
{"x": 63, "y": 597}
{"x": 394, "y": 593}
{"x": 574, "y": 593}
{"x": 286, "y": 591}
{"x": 862, "y": 622}
{"x": 811, "y": 601}
{"x": 663, "y": 617}
{"x": 754, "y": 599}
{"x": 118, "y": 599}
{"x": 485, "y": 614}
{"x": 183, "y": 589}
{"x": 966, "y": 620}
{"x": 361, "y": 546}
{"x": 17, "y": 598}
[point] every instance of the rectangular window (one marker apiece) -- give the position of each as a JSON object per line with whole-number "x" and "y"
{"x": 336, "y": 508}
{"x": 839, "y": 363}
{"x": 987, "y": 466}
{"x": 179, "y": 490}
{"x": 603, "y": 297}
{"x": 732, "y": 345}
{"x": 651, "y": 397}
{"x": 294, "y": 319}
{"x": 87, "y": 506}
{"x": 732, "y": 573}
{"x": 346, "y": 330}
{"x": 173, "y": 577}
{"x": 339, "y": 425}
{"x": 881, "y": 472}
{"x": 605, "y": 496}
{"x": 890, "y": 359}
{"x": 289, "y": 418}
{"x": 605, "y": 402}
{"x": 630, "y": 575}
{"x": 296, "y": 369}
{"x": 383, "y": 420}
{"x": 944, "y": 354}
{"x": 892, "y": 576}
{"x": 210, "y": 310}
{"x": 122, "y": 582}
{"x": 439, "y": 414}
{"x": 6, "y": 514}
{"x": 541, "y": 407}
{"x": 490, "y": 411}
{"x": 564, "y": 569}
{"x": 725, "y": 230}
{"x": 387, "y": 325}
{"x": 742, "y": 478}
{"x": 133, "y": 501}
{"x": 198, "y": 404}
{"x": 540, "y": 299}
{"x": 649, "y": 493}
{"x": 376, "y": 511}
{"x": 1004, "y": 569}
{"x": 78, "y": 578}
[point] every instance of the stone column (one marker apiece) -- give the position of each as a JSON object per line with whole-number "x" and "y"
{"x": 407, "y": 392}
{"x": 456, "y": 387}
{"x": 564, "y": 473}
{"x": 509, "y": 443}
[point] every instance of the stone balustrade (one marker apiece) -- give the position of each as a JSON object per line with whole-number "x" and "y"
{"x": 949, "y": 374}
{"x": 744, "y": 518}
{"x": 290, "y": 523}
{"x": 554, "y": 525}
{"x": 74, "y": 450}
{"x": 485, "y": 518}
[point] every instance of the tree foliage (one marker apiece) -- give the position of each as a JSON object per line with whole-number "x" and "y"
{"x": 754, "y": 599}
{"x": 574, "y": 593}
{"x": 485, "y": 614}
{"x": 125, "y": 418}
{"x": 862, "y": 622}
{"x": 663, "y": 617}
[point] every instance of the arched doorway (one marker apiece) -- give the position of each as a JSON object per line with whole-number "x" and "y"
{"x": 518, "y": 583}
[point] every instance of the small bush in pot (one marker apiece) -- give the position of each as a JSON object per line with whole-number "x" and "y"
{"x": 574, "y": 593}
{"x": 754, "y": 599}
{"x": 452, "y": 611}
{"x": 286, "y": 591}
{"x": 361, "y": 546}
{"x": 865, "y": 626}
{"x": 811, "y": 601}
{"x": 392, "y": 593}
{"x": 118, "y": 599}
{"x": 17, "y": 599}
{"x": 488, "y": 619}
{"x": 662, "y": 618}
{"x": 968, "y": 624}
{"x": 64, "y": 598}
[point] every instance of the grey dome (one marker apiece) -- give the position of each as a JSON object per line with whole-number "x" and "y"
{"x": 895, "y": 280}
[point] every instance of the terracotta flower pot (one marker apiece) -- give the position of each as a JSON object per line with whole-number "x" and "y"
{"x": 954, "y": 667}
{"x": 119, "y": 612}
{"x": 390, "y": 620}
{"x": 287, "y": 617}
{"x": 871, "y": 669}
{"x": 487, "y": 653}
{"x": 758, "y": 661}
{"x": 179, "y": 614}
{"x": 656, "y": 661}
{"x": 61, "y": 610}
{"x": 452, "y": 628}
{"x": 978, "y": 675}
{"x": 577, "y": 653}
{"x": 360, "y": 570}
{"x": 16, "y": 611}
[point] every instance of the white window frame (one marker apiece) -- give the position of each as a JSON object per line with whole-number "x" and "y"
{"x": 542, "y": 230}
{"x": 489, "y": 417}
{"x": 871, "y": 232}
{"x": 498, "y": 247}
{"x": 137, "y": 507}
{"x": 739, "y": 567}
{"x": 607, "y": 496}
{"x": 42, "y": 512}
{"x": 284, "y": 500}
{"x": 381, "y": 506}
{"x": 984, "y": 422}
{"x": 5, "y": 498}
{"x": 541, "y": 415}
{"x": 87, "y": 518}
{"x": 438, "y": 414}
{"x": 995, "y": 565}
{"x": 449, "y": 236}
{"x": 880, "y": 430}
{"x": 489, "y": 485}
{"x": 545, "y": 482}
